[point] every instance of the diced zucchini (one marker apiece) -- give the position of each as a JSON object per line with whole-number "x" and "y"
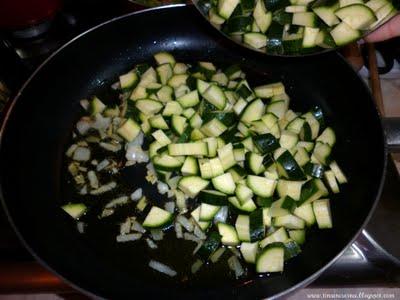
{"x": 228, "y": 234}
{"x": 192, "y": 185}
{"x": 261, "y": 186}
{"x": 129, "y": 130}
{"x": 305, "y": 212}
{"x": 75, "y": 210}
{"x": 157, "y": 218}
{"x": 164, "y": 58}
{"x": 249, "y": 251}
{"x": 279, "y": 235}
{"x": 271, "y": 259}
{"x": 208, "y": 211}
{"x": 224, "y": 183}
{"x": 322, "y": 213}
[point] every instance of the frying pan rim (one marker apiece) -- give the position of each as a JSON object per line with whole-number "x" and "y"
{"x": 11, "y": 103}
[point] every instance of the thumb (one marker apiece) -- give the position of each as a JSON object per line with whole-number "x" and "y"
{"x": 387, "y": 31}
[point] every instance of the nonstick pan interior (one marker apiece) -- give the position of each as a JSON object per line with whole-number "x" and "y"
{"x": 37, "y": 129}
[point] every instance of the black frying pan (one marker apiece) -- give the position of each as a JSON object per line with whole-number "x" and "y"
{"x": 37, "y": 126}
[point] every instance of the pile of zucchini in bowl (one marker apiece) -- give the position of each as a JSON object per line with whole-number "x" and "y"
{"x": 243, "y": 171}
{"x": 295, "y": 27}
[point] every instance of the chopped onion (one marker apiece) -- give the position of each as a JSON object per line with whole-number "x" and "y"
{"x": 122, "y": 238}
{"x": 92, "y": 139}
{"x": 199, "y": 233}
{"x": 221, "y": 215}
{"x": 185, "y": 223}
{"x": 190, "y": 237}
{"x": 157, "y": 234}
{"x": 178, "y": 230}
{"x": 71, "y": 150}
{"x": 137, "y": 227}
{"x": 217, "y": 254}
{"x": 136, "y": 153}
{"x": 82, "y": 169}
{"x": 125, "y": 227}
{"x": 81, "y": 154}
{"x": 93, "y": 181}
{"x": 196, "y": 266}
{"x": 110, "y": 147}
{"x": 79, "y": 179}
{"x": 73, "y": 168}
{"x": 101, "y": 123}
{"x": 150, "y": 168}
{"x": 180, "y": 201}
{"x": 117, "y": 201}
{"x": 103, "y": 164}
{"x": 197, "y": 247}
{"x": 234, "y": 251}
{"x": 82, "y": 144}
{"x": 170, "y": 206}
{"x": 81, "y": 227}
{"x": 104, "y": 188}
{"x": 85, "y": 104}
{"x": 162, "y": 268}
{"x": 151, "y": 244}
{"x": 106, "y": 212}
{"x": 162, "y": 187}
{"x": 94, "y": 162}
{"x": 83, "y": 190}
{"x": 136, "y": 195}
{"x": 116, "y": 85}
{"x": 138, "y": 141}
{"x": 83, "y": 126}
{"x": 235, "y": 266}
{"x": 173, "y": 182}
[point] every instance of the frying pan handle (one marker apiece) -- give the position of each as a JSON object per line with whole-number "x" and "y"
{"x": 392, "y": 130}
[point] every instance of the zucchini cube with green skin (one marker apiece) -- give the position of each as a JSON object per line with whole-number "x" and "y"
{"x": 129, "y": 130}
{"x": 210, "y": 245}
{"x": 261, "y": 186}
{"x": 243, "y": 193}
{"x": 96, "y": 106}
{"x": 208, "y": 212}
{"x": 192, "y": 185}
{"x": 148, "y": 106}
{"x": 226, "y": 7}
{"x": 357, "y": 16}
{"x": 75, "y": 210}
{"x": 290, "y": 222}
{"x": 224, "y": 183}
{"x": 189, "y": 100}
{"x": 249, "y": 251}
{"x": 298, "y": 235}
{"x": 228, "y": 234}
{"x": 249, "y": 206}
{"x": 196, "y": 216}
{"x": 322, "y": 213}
{"x": 271, "y": 259}
{"x": 307, "y": 19}
{"x": 157, "y": 218}
{"x": 242, "y": 226}
{"x": 216, "y": 96}
{"x": 164, "y": 58}
{"x": 306, "y": 213}
{"x": 292, "y": 249}
{"x": 128, "y": 80}
{"x": 279, "y": 235}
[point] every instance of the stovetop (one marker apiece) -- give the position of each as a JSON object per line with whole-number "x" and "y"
{"x": 372, "y": 260}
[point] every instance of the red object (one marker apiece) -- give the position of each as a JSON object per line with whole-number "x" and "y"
{"x": 20, "y": 14}
{"x": 29, "y": 277}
